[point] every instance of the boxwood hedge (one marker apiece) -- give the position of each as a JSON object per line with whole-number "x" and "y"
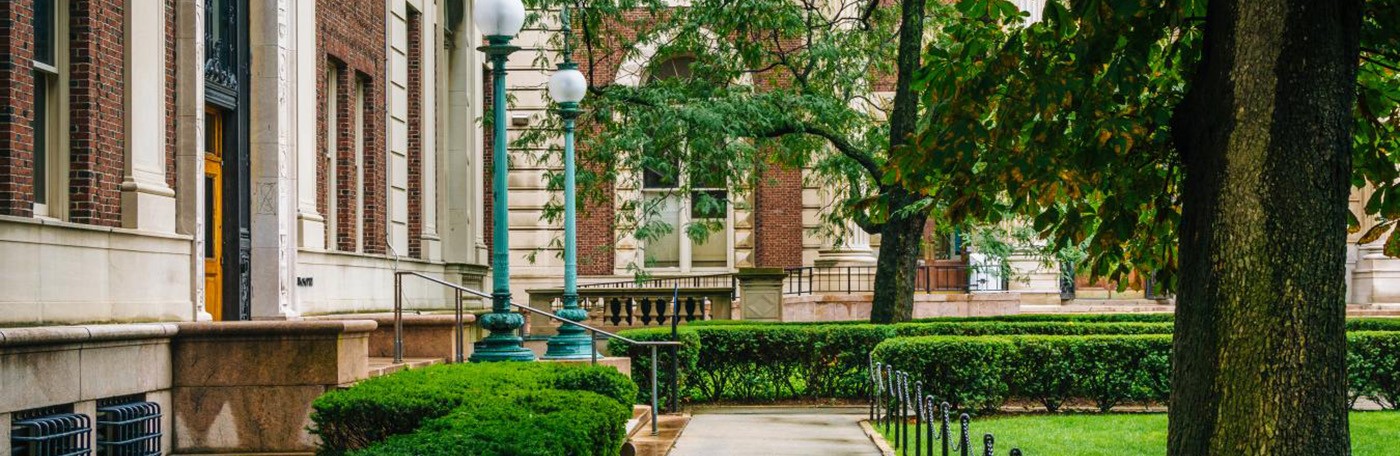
{"x": 744, "y": 361}
{"x": 982, "y": 372}
{"x": 401, "y": 403}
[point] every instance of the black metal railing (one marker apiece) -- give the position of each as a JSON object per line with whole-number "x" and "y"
{"x": 720, "y": 280}
{"x": 633, "y": 307}
{"x": 64, "y": 434}
{"x": 129, "y": 428}
{"x": 619, "y": 311}
{"x": 961, "y": 278}
{"x": 893, "y": 398}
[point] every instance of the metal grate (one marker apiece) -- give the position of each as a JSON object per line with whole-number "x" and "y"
{"x": 128, "y": 429}
{"x": 60, "y": 434}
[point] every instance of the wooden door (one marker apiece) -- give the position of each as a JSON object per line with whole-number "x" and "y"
{"x": 214, "y": 212}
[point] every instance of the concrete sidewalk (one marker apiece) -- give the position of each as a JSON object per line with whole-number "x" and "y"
{"x": 774, "y": 431}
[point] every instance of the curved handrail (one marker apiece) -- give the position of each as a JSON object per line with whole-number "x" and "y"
{"x": 398, "y": 328}
{"x": 548, "y": 314}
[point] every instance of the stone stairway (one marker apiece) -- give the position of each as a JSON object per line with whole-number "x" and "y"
{"x": 385, "y": 366}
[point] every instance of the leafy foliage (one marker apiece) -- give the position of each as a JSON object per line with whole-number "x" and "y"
{"x": 401, "y": 403}
{"x": 1067, "y": 123}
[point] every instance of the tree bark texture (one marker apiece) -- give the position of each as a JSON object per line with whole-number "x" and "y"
{"x": 1259, "y": 356}
{"x": 901, "y": 235}
{"x": 896, "y": 267}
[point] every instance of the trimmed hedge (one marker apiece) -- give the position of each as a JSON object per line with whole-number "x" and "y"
{"x": 524, "y": 423}
{"x": 1018, "y": 318}
{"x": 746, "y": 361}
{"x": 377, "y": 409}
{"x": 983, "y": 372}
{"x": 761, "y": 362}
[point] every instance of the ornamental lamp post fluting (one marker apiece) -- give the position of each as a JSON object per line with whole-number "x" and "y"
{"x": 567, "y": 87}
{"x": 500, "y": 20}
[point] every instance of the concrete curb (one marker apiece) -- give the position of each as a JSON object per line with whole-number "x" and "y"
{"x": 885, "y": 448}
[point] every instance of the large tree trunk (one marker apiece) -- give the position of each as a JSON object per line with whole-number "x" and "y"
{"x": 901, "y": 237}
{"x": 1260, "y": 347}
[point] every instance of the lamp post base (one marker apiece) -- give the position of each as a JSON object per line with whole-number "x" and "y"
{"x": 572, "y": 342}
{"x": 578, "y": 345}
{"x": 502, "y": 344}
{"x": 500, "y": 348}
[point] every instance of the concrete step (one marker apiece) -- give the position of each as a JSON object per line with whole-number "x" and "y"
{"x": 386, "y": 366}
{"x": 641, "y": 442}
{"x": 641, "y": 418}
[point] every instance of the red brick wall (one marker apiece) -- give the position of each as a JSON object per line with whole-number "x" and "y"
{"x": 16, "y": 109}
{"x": 352, "y": 32}
{"x": 97, "y": 111}
{"x": 778, "y": 223}
{"x": 415, "y": 133}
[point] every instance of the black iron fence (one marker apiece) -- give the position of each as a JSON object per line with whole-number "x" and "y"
{"x": 721, "y": 280}
{"x": 961, "y": 278}
{"x": 893, "y": 398}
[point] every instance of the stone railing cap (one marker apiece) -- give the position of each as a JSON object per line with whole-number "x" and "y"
{"x": 54, "y": 335}
{"x": 387, "y": 320}
{"x": 761, "y": 272}
{"x": 260, "y": 328}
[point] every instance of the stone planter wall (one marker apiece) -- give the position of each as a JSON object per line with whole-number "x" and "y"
{"x": 78, "y": 365}
{"x": 247, "y": 387}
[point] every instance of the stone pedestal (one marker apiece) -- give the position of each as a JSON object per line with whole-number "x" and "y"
{"x": 761, "y": 293}
{"x": 247, "y": 387}
{"x": 1376, "y": 279}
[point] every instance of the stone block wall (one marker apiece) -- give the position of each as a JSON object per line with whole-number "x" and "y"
{"x": 79, "y": 365}
{"x": 247, "y": 387}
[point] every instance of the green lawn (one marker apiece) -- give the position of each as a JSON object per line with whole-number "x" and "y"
{"x": 1372, "y": 434}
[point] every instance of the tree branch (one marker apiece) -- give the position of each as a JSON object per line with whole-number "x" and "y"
{"x": 869, "y": 10}
{"x": 845, "y": 147}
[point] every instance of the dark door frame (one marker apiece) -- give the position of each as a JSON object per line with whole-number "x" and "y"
{"x": 226, "y": 86}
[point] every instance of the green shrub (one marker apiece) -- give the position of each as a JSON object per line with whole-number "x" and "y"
{"x": 396, "y": 404}
{"x": 1046, "y": 328}
{"x": 965, "y": 372}
{"x": 1373, "y": 367}
{"x": 1115, "y": 369}
{"x": 688, "y": 355}
{"x": 523, "y": 423}
{"x": 1081, "y": 318}
{"x": 980, "y": 372}
{"x": 1373, "y": 324}
{"x": 769, "y": 361}
{"x": 746, "y": 361}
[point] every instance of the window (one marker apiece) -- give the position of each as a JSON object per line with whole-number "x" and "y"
{"x": 360, "y": 164}
{"x": 50, "y": 108}
{"x": 706, "y": 203}
{"x": 332, "y": 157}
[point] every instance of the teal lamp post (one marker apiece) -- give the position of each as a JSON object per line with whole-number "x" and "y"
{"x": 500, "y": 20}
{"x": 567, "y": 87}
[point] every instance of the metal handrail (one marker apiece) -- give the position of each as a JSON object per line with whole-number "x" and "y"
{"x": 398, "y": 329}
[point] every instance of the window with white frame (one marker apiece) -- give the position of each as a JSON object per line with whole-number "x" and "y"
{"x": 706, "y": 203}
{"x": 50, "y": 108}
{"x": 332, "y": 156}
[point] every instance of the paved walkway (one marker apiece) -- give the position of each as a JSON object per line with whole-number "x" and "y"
{"x": 771, "y": 431}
